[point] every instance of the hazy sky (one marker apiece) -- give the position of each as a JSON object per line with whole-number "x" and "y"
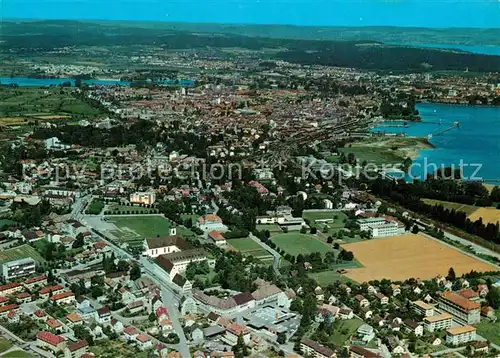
{"x": 428, "y": 13}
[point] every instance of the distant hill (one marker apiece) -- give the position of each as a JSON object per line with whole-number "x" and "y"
{"x": 362, "y": 48}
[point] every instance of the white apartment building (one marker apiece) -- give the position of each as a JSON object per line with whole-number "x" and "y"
{"x": 314, "y": 349}
{"x": 460, "y": 335}
{"x": 143, "y": 197}
{"x": 438, "y": 322}
{"x": 463, "y": 310}
{"x": 423, "y": 308}
{"x": 18, "y": 268}
{"x": 380, "y": 227}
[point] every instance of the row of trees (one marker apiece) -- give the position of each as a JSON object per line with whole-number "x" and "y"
{"x": 405, "y": 195}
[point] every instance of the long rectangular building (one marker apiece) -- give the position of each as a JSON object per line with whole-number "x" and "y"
{"x": 438, "y": 322}
{"x": 463, "y": 310}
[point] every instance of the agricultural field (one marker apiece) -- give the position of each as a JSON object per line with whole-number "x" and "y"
{"x": 295, "y": 244}
{"x": 20, "y": 252}
{"x": 467, "y": 209}
{"x": 401, "y": 257}
{"x": 18, "y": 104}
{"x": 489, "y": 215}
{"x": 134, "y": 229}
{"x": 250, "y": 248}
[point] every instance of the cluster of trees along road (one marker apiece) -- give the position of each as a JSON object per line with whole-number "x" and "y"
{"x": 409, "y": 195}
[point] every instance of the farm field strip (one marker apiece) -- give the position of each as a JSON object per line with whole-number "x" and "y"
{"x": 401, "y": 257}
{"x": 489, "y": 215}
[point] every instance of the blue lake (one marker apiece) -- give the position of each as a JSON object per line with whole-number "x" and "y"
{"x": 485, "y": 50}
{"x": 476, "y": 141}
{"x": 38, "y": 82}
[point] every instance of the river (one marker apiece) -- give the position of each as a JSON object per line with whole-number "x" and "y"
{"x": 476, "y": 142}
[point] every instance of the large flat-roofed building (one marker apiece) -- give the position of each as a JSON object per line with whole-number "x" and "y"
{"x": 423, "y": 308}
{"x": 381, "y": 227}
{"x": 462, "y": 309}
{"x": 460, "y": 335}
{"x": 18, "y": 268}
{"x": 438, "y": 322}
{"x": 144, "y": 197}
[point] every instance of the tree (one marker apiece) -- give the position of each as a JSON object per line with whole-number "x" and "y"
{"x": 281, "y": 339}
{"x": 415, "y": 229}
{"x": 451, "y": 274}
{"x": 96, "y": 291}
{"x": 152, "y": 317}
{"x": 314, "y": 230}
{"x": 122, "y": 266}
{"x": 240, "y": 349}
{"x": 329, "y": 239}
{"x": 79, "y": 242}
{"x": 329, "y": 257}
{"x": 135, "y": 272}
{"x": 493, "y": 297}
{"x": 296, "y": 305}
{"x": 303, "y": 230}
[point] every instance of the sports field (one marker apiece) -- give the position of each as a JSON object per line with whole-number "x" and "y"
{"x": 401, "y": 257}
{"x": 249, "y": 247}
{"x": 295, "y": 243}
{"x": 134, "y": 229}
{"x": 489, "y": 215}
{"x": 468, "y": 209}
{"x": 20, "y": 252}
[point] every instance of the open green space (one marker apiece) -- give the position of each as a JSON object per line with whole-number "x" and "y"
{"x": 17, "y": 354}
{"x": 112, "y": 349}
{"x": 324, "y": 278}
{"x": 272, "y": 228}
{"x": 133, "y": 229}
{"x": 377, "y": 156}
{"x": 468, "y": 209}
{"x": 6, "y": 223}
{"x": 95, "y": 207}
{"x": 4, "y": 344}
{"x": 18, "y": 104}
{"x": 343, "y": 330}
{"x": 295, "y": 244}
{"x": 490, "y": 330}
{"x": 250, "y": 248}
{"x": 334, "y": 219}
{"x": 20, "y": 252}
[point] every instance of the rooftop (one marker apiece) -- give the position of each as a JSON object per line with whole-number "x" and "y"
{"x": 460, "y": 330}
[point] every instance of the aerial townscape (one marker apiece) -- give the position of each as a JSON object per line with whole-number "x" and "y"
{"x": 210, "y": 190}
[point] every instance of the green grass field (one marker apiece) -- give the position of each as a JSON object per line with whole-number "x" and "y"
{"x": 377, "y": 156}
{"x": 272, "y": 228}
{"x": 17, "y": 354}
{"x": 95, "y": 207}
{"x": 249, "y": 247}
{"x": 4, "y": 344}
{"x": 134, "y": 229}
{"x": 468, "y": 209}
{"x": 343, "y": 330}
{"x": 295, "y": 243}
{"x": 490, "y": 330}
{"x": 324, "y": 278}
{"x": 20, "y": 252}
{"x": 6, "y": 223}
{"x": 43, "y": 103}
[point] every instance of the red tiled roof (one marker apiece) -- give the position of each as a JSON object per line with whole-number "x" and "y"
{"x": 48, "y": 289}
{"x": 468, "y": 293}
{"x": 49, "y": 338}
{"x": 100, "y": 245}
{"x": 52, "y": 323}
{"x": 10, "y": 307}
{"x": 78, "y": 345}
{"x": 143, "y": 338}
{"x": 216, "y": 236}
{"x": 9, "y": 286}
{"x": 23, "y": 295}
{"x": 35, "y": 279}
{"x": 40, "y": 313}
{"x": 460, "y": 301}
{"x": 62, "y": 295}
{"x": 130, "y": 331}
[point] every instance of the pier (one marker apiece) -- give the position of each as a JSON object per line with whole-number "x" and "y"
{"x": 444, "y": 130}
